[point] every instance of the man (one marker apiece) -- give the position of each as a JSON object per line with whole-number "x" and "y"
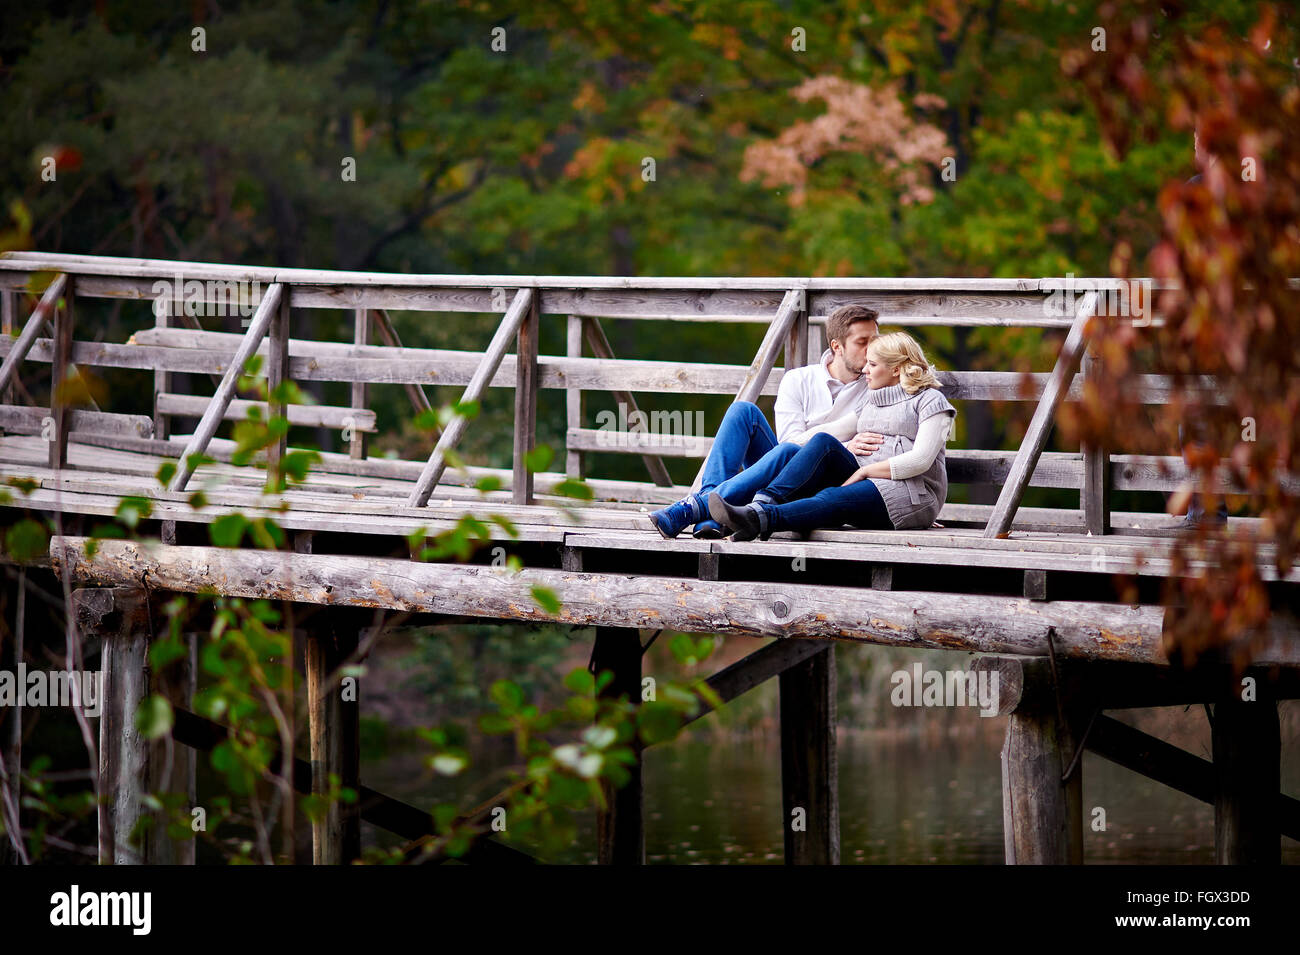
{"x": 807, "y": 397}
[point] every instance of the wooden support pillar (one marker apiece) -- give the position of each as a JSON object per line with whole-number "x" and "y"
{"x": 1247, "y": 781}
{"x": 1042, "y": 817}
{"x": 809, "y": 764}
{"x": 11, "y": 749}
{"x": 333, "y": 714}
{"x": 526, "y": 402}
{"x": 620, "y": 827}
{"x": 130, "y": 765}
{"x": 1035, "y": 585}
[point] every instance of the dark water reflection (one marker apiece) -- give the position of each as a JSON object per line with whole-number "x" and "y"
{"x": 903, "y": 799}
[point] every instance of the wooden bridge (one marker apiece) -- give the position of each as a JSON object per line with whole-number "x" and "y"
{"x": 1029, "y": 589}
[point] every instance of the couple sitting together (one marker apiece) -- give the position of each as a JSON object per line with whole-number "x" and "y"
{"x": 859, "y": 440}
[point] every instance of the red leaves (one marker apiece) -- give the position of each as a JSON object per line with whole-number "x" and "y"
{"x": 1230, "y": 243}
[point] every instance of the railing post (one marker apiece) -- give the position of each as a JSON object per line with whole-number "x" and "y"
{"x": 216, "y": 409}
{"x": 487, "y": 368}
{"x": 526, "y": 401}
{"x": 1095, "y": 489}
{"x": 1040, "y": 425}
{"x": 774, "y": 339}
{"x": 361, "y": 336}
{"x": 796, "y": 346}
{"x": 8, "y": 309}
{"x": 277, "y": 372}
{"x": 162, "y": 380}
{"x": 601, "y": 348}
{"x": 64, "y": 319}
{"x": 573, "y": 460}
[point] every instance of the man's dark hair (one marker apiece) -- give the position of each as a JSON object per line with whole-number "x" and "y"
{"x": 839, "y": 321}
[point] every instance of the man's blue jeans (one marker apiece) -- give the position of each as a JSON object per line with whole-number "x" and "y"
{"x": 743, "y": 438}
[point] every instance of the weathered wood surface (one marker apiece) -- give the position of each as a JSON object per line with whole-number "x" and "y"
{"x": 308, "y": 416}
{"x": 345, "y": 508}
{"x": 1114, "y": 686}
{"x": 809, "y": 765}
{"x": 1041, "y": 424}
{"x": 17, "y": 350}
{"x": 620, "y": 825}
{"x": 1094, "y": 492}
{"x": 1174, "y": 767}
{"x": 8, "y": 318}
{"x": 276, "y": 368}
{"x": 26, "y": 419}
{"x": 186, "y": 350}
{"x": 357, "y": 447}
{"x": 64, "y": 319}
{"x": 490, "y": 361}
{"x": 334, "y": 734}
{"x": 600, "y": 347}
{"x": 1246, "y": 740}
{"x": 374, "y": 807}
{"x": 904, "y": 618}
{"x": 1042, "y": 815}
{"x": 575, "y": 463}
{"x": 609, "y": 491}
{"x": 130, "y": 765}
{"x": 755, "y": 668}
{"x": 525, "y": 430}
{"x": 23, "y": 261}
{"x": 225, "y": 393}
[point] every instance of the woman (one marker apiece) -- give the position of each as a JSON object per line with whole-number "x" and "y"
{"x": 900, "y": 486}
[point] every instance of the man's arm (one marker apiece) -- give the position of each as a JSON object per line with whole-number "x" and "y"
{"x": 841, "y": 428}
{"x": 791, "y": 412}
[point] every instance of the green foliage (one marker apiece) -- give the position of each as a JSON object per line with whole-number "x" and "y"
{"x": 26, "y": 540}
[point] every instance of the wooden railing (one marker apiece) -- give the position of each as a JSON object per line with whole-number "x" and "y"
{"x": 793, "y": 310}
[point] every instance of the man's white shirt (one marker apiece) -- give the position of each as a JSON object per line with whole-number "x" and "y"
{"x": 804, "y": 399}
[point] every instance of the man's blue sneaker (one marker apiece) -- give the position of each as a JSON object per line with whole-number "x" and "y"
{"x": 709, "y": 530}
{"x": 673, "y": 519}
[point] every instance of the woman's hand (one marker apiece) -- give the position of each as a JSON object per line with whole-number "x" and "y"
{"x": 864, "y": 443}
{"x": 876, "y": 469}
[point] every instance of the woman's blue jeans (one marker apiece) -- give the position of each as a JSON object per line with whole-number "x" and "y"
{"x": 800, "y": 487}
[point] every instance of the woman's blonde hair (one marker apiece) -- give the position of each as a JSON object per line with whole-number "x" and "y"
{"x": 900, "y": 351}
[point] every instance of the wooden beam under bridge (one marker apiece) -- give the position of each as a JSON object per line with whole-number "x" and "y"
{"x": 1099, "y": 631}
